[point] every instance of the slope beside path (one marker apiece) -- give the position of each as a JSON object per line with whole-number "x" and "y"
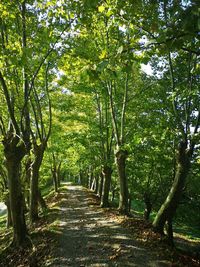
{"x": 87, "y": 236}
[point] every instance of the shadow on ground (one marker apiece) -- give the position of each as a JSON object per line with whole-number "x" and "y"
{"x": 88, "y": 237}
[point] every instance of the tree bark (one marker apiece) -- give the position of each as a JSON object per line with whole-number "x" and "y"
{"x": 90, "y": 180}
{"x": 27, "y": 180}
{"x": 55, "y": 170}
{"x": 14, "y": 154}
{"x": 9, "y": 217}
{"x": 93, "y": 183}
{"x": 100, "y": 191}
{"x": 129, "y": 202}
{"x": 55, "y": 182}
{"x": 114, "y": 190}
{"x": 34, "y": 182}
{"x": 59, "y": 174}
{"x": 169, "y": 229}
{"x": 107, "y": 171}
{"x": 41, "y": 201}
{"x": 97, "y": 184}
{"x": 148, "y": 206}
{"x": 121, "y": 156}
{"x": 168, "y": 209}
{"x": 81, "y": 179}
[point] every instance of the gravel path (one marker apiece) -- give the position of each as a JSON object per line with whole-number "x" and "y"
{"x": 89, "y": 237}
{"x": 2, "y": 208}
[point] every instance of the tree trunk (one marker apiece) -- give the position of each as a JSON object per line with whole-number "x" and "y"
{"x": 28, "y": 164}
{"x": 81, "y": 179}
{"x": 113, "y": 194}
{"x": 9, "y": 217}
{"x": 168, "y": 209}
{"x": 34, "y": 183}
{"x": 24, "y": 202}
{"x": 54, "y": 171}
{"x": 148, "y": 206}
{"x": 93, "y": 183}
{"x": 121, "y": 156}
{"x": 58, "y": 179}
{"x": 170, "y": 233}
{"x": 100, "y": 191}
{"x": 59, "y": 174}
{"x": 129, "y": 202}
{"x": 55, "y": 182}
{"x": 13, "y": 161}
{"x": 97, "y": 184}
{"x": 107, "y": 171}
{"x": 41, "y": 201}
{"x": 90, "y": 180}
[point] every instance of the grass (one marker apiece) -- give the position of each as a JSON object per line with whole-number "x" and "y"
{"x": 5, "y": 234}
{"x": 182, "y": 225}
{"x": 3, "y": 222}
{"x": 42, "y": 234}
{"x": 46, "y": 190}
{"x": 189, "y": 231}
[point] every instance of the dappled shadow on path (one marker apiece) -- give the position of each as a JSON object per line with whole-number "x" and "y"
{"x": 89, "y": 237}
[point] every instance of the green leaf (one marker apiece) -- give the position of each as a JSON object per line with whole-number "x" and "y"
{"x": 101, "y": 9}
{"x": 120, "y": 49}
{"x": 102, "y": 65}
{"x": 103, "y": 54}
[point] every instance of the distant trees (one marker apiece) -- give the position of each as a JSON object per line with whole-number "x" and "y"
{"x": 163, "y": 108}
{"x": 72, "y": 85}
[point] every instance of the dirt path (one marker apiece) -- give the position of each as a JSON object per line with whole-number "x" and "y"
{"x": 89, "y": 237}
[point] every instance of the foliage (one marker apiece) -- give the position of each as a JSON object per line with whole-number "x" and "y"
{"x": 75, "y": 69}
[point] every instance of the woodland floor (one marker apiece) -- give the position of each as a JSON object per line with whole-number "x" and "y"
{"x": 76, "y": 232}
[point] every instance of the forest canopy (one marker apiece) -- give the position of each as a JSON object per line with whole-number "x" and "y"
{"x": 105, "y": 94}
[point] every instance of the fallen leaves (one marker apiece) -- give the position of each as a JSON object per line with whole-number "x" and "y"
{"x": 142, "y": 231}
{"x": 114, "y": 247}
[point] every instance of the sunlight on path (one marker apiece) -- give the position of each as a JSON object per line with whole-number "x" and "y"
{"x": 2, "y": 208}
{"x": 90, "y": 238}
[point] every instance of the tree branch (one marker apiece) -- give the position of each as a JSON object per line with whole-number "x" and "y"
{"x": 2, "y": 126}
{"x": 39, "y": 67}
{"x": 113, "y": 113}
{"x": 174, "y": 104}
{"x": 49, "y": 105}
{"x": 124, "y": 108}
{"x": 9, "y": 104}
{"x": 36, "y": 123}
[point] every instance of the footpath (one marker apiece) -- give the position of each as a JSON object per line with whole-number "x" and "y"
{"x": 88, "y": 236}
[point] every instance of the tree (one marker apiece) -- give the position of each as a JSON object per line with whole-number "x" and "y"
{"x": 22, "y": 60}
{"x": 187, "y": 119}
{"x": 109, "y": 73}
{"x": 106, "y": 144}
{"x": 16, "y": 137}
{"x": 171, "y": 39}
{"x": 38, "y": 148}
{"x": 175, "y": 38}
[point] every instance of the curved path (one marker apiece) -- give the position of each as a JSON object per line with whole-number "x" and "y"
{"x": 90, "y": 237}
